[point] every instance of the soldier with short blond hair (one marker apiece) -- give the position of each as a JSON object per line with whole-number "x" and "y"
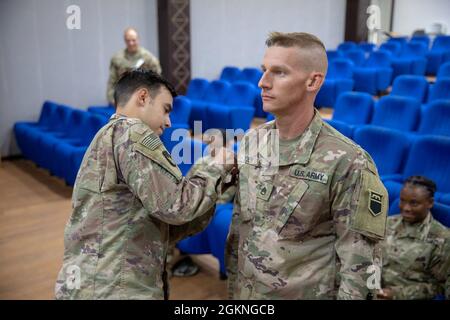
{"x": 310, "y": 208}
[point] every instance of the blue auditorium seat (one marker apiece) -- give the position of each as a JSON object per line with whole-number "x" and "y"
{"x": 435, "y": 119}
{"x": 68, "y": 156}
{"x": 440, "y": 212}
{"x": 352, "y": 108}
{"x": 237, "y": 111}
{"x": 439, "y": 90}
{"x": 339, "y": 79}
{"x": 47, "y": 120}
{"x": 396, "y": 112}
{"x": 411, "y": 60}
{"x": 393, "y": 47}
{"x": 440, "y": 47}
{"x": 105, "y": 111}
{"x": 334, "y": 54}
{"x": 57, "y": 130}
{"x": 251, "y": 75}
{"x": 367, "y": 47}
{"x": 430, "y": 157}
{"x": 73, "y": 135}
{"x": 197, "y": 88}
{"x": 357, "y": 56}
{"x": 270, "y": 117}
{"x": 424, "y": 39}
{"x": 388, "y": 148}
{"x": 230, "y": 74}
{"x": 444, "y": 71}
{"x": 402, "y": 41}
{"x": 347, "y": 45}
{"x": 410, "y": 86}
{"x": 216, "y": 92}
{"x": 375, "y": 74}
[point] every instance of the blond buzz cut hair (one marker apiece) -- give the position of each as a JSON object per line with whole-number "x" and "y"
{"x": 314, "y": 48}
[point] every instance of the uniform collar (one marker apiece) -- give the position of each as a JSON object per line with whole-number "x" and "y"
{"x": 301, "y": 152}
{"x": 416, "y": 231}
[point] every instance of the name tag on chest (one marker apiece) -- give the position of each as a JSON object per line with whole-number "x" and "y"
{"x": 308, "y": 174}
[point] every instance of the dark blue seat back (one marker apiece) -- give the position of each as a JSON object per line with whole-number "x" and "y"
{"x": 217, "y": 91}
{"x": 440, "y": 90}
{"x": 388, "y": 148}
{"x": 393, "y": 47}
{"x": 340, "y": 69}
{"x": 181, "y": 110}
{"x": 367, "y": 47}
{"x": 241, "y": 94}
{"x": 380, "y": 58}
{"x": 410, "y": 86}
{"x": 441, "y": 44}
{"x": 48, "y": 114}
{"x": 414, "y": 49}
{"x": 197, "y": 88}
{"x": 251, "y": 75}
{"x": 347, "y": 45}
{"x": 354, "y": 108}
{"x": 435, "y": 118}
{"x": 334, "y": 54}
{"x": 423, "y": 39}
{"x": 444, "y": 71}
{"x": 357, "y": 56}
{"x": 230, "y": 74}
{"x": 395, "y": 112}
{"x": 430, "y": 157}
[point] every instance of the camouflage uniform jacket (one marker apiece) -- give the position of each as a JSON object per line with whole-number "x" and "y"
{"x": 416, "y": 258}
{"x": 123, "y": 61}
{"x": 308, "y": 228}
{"x": 127, "y": 193}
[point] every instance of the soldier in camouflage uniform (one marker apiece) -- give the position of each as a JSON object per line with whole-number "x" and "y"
{"x": 416, "y": 255}
{"x": 310, "y": 208}
{"x": 130, "y": 200}
{"x": 132, "y": 57}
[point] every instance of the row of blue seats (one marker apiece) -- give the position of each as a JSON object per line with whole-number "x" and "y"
{"x": 375, "y": 77}
{"x": 250, "y": 75}
{"x": 59, "y": 139}
{"x": 405, "y": 114}
{"x": 219, "y": 104}
{"x": 404, "y": 46}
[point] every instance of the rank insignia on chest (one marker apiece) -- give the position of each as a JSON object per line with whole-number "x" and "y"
{"x": 264, "y": 190}
{"x": 375, "y": 203}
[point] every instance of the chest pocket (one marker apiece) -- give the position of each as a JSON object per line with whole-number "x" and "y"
{"x": 255, "y": 190}
{"x": 290, "y": 204}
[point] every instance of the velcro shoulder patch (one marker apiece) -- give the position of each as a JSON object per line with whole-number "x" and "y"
{"x": 372, "y": 205}
{"x": 151, "y": 146}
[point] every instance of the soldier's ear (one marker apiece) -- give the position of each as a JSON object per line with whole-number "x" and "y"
{"x": 142, "y": 95}
{"x": 315, "y": 81}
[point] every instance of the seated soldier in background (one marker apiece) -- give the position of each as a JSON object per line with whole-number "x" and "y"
{"x": 416, "y": 249}
{"x": 186, "y": 267}
{"x": 132, "y": 57}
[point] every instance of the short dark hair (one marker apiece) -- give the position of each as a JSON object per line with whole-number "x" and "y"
{"x": 130, "y": 81}
{"x": 423, "y": 182}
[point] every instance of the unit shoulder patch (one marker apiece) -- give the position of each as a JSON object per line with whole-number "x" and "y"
{"x": 371, "y": 207}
